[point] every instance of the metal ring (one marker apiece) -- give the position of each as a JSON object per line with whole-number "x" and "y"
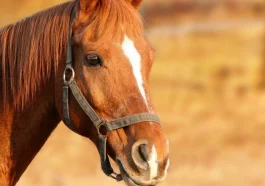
{"x": 72, "y": 75}
{"x": 103, "y": 124}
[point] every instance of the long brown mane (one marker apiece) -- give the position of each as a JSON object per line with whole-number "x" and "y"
{"x": 30, "y": 51}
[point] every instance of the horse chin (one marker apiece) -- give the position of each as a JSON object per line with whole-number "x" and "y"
{"x": 132, "y": 180}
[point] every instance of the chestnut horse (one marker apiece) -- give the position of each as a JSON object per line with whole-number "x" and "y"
{"x": 103, "y": 96}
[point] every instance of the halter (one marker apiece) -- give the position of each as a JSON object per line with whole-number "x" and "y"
{"x": 103, "y": 127}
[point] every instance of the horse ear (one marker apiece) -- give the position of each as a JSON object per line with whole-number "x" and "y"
{"x": 135, "y": 3}
{"x": 87, "y": 5}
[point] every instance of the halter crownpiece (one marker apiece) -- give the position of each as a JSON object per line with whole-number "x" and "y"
{"x": 103, "y": 127}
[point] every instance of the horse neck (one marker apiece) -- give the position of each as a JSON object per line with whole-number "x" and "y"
{"x": 23, "y": 134}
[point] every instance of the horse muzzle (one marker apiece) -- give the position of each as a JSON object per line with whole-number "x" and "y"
{"x": 143, "y": 167}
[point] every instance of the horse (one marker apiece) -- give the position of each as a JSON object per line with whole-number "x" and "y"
{"x": 86, "y": 63}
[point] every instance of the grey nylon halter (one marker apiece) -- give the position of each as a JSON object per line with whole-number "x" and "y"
{"x": 99, "y": 123}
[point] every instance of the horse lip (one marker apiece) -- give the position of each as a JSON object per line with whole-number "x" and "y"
{"x": 134, "y": 180}
{"x": 124, "y": 173}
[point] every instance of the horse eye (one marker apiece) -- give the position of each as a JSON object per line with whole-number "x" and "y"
{"x": 93, "y": 60}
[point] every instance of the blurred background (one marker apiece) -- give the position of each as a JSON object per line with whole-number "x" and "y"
{"x": 208, "y": 86}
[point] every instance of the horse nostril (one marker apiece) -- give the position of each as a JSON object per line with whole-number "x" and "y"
{"x": 144, "y": 152}
{"x": 140, "y": 154}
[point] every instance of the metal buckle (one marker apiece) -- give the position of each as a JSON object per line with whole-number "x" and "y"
{"x": 68, "y": 70}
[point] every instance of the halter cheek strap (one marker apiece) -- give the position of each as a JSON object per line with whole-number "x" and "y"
{"x": 103, "y": 127}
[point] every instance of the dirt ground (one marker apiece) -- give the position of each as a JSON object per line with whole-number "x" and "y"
{"x": 207, "y": 86}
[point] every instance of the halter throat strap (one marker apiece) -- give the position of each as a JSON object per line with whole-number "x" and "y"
{"x": 101, "y": 125}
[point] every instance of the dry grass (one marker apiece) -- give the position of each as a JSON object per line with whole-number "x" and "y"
{"x": 206, "y": 88}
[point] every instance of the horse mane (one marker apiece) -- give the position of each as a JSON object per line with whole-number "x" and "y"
{"x": 30, "y": 51}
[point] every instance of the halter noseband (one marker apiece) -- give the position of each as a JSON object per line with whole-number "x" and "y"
{"x": 103, "y": 127}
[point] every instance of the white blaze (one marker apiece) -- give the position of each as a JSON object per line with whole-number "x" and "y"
{"x": 153, "y": 164}
{"x": 135, "y": 60}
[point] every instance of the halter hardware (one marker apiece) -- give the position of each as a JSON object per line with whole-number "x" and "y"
{"x": 103, "y": 127}
{"x": 68, "y": 71}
